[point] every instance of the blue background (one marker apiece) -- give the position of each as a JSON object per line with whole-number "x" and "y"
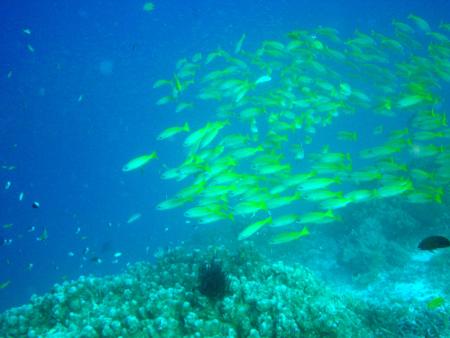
{"x": 69, "y": 153}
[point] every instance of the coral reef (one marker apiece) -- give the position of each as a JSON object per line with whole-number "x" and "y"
{"x": 263, "y": 299}
{"x": 375, "y": 238}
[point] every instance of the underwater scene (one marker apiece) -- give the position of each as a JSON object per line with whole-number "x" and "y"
{"x": 225, "y": 168}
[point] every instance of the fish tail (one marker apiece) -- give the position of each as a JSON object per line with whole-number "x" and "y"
{"x": 305, "y": 231}
{"x": 438, "y": 196}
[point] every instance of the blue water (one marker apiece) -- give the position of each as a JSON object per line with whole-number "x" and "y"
{"x": 81, "y": 105}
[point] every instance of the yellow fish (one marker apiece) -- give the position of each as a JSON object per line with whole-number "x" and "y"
{"x": 289, "y": 236}
{"x": 410, "y": 100}
{"x": 239, "y": 44}
{"x": 317, "y": 183}
{"x": 148, "y": 7}
{"x": 171, "y": 203}
{"x": 4, "y": 284}
{"x": 284, "y": 220}
{"x": 138, "y": 162}
{"x": 317, "y": 217}
{"x": 420, "y": 23}
{"x": 43, "y": 236}
{"x": 170, "y": 132}
{"x": 252, "y": 228}
{"x": 134, "y": 218}
{"x": 335, "y": 203}
{"x": 397, "y": 187}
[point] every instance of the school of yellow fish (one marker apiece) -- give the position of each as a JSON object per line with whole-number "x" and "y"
{"x": 257, "y": 154}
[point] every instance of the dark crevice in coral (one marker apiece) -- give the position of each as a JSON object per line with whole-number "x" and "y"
{"x": 213, "y": 281}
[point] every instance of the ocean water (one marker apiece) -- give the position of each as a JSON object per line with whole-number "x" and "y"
{"x": 77, "y": 103}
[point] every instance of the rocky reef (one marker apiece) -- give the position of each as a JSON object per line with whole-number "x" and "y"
{"x": 178, "y": 297}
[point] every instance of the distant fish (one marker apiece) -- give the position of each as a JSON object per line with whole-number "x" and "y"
{"x": 4, "y": 284}
{"x": 5, "y": 241}
{"x": 35, "y": 205}
{"x": 172, "y": 131}
{"x": 239, "y": 44}
{"x": 106, "y": 246}
{"x": 434, "y": 242}
{"x": 134, "y": 218}
{"x": 43, "y": 236}
{"x": 148, "y": 6}
{"x": 96, "y": 259}
{"x": 139, "y": 161}
{"x": 21, "y": 196}
{"x": 7, "y": 185}
{"x": 263, "y": 79}
{"x": 289, "y": 236}
{"x": 299, "y": 152}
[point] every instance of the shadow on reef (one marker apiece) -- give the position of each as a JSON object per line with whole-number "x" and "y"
{"x": 213, "y": 281}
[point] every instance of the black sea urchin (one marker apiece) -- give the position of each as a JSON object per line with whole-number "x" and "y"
{"x": 213, "y": 281}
